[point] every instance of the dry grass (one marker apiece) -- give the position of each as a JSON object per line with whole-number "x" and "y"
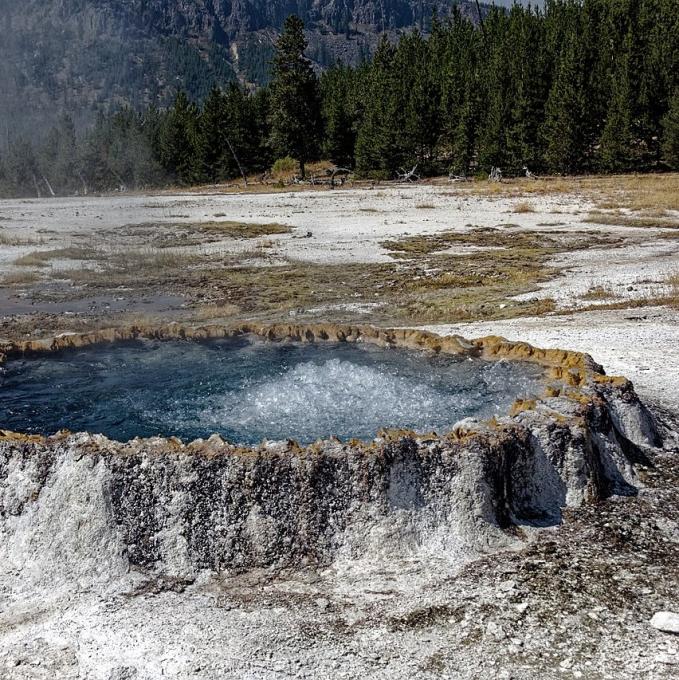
{"x": 175, "y": 235}
{"x": 425, "y": 206}
{"x": 599, "y": 292}
{"x": 210, "y": 312}
{"x": 619, "y": 219}
{"x": 6, "y": 240}
{"x": 42, "y": 258}
{"x": 489, "y": 237}
{"x": 524, "y": 207}
{"x": 31, "y": 260}
{"x": 144, "y": 261}
{"x": 523, "y": 187}
{"x": 643, "y": 192}
{"x": 227, "y": 229}
{"x": 456, "y": 289}
{"x": 429, "y": 287}
{"x": 23, "y": 278}
{"x": 633, "y": 192}
{"x": 672, "y": 283}
{"x": 665, "y": 294}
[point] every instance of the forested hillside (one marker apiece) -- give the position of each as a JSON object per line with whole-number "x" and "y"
{"x": 581, "y": 87}
{"x": 81, "y": 57}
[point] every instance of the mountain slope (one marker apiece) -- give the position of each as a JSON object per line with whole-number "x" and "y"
{"x": 84, "y": 56}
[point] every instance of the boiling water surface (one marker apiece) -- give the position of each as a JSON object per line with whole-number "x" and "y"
{"x": 249, "y": 390}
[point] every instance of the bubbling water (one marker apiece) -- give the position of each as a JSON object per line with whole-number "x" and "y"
{"x": 249, "y": 390}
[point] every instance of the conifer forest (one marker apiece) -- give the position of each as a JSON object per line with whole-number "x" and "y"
{"x": 576, "y": 87}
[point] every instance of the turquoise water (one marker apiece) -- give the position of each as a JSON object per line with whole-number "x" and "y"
{"x": 249, "y": 390}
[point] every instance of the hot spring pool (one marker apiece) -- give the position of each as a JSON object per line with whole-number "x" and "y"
{"x": 248, "y": 390}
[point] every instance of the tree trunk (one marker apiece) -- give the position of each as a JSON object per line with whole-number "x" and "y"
{"x": 37, "y": 186}
{"x": 82, "y": 180}
{"x": 240, "y": 167}
{"x": 302, "y": 168}
{"x": 49, "y": 186}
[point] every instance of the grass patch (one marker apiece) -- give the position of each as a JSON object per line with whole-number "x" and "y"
{"x": 144, "y": 261}
{"x": 425, "y": 206}
{"x": 633, "y": 192}
{"x": 42, "y": 258}
{"x": 455, "y": 289}
{"x": 20, "y": 278}
{"x": 622, "y": 220}
{"x": 243, "y": 230}
{"x": 175, "y": 235}
{"x": 672, "y": 283}
{"x": 598, "y": 293}
{"x": 667, "y": 294}
{"x": 490, "y": 237}
{"x": 6, "y": 240}
{"x": 524, "y": 207}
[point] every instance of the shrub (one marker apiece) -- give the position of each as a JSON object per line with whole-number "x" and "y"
{"x": 285, "y": 167}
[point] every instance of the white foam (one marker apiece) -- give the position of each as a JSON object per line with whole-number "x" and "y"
{"x": 338, "y": 397}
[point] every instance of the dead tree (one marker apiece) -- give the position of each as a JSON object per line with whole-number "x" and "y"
{"x": 82, "y": 181}
{"x": 49, "y": 186}
{"x": 529, "y": 174}
{"x": 37, "y": 186}
{"x": 342, "y": 173}
{"x": 235, "y": 157}
{"x": 408, "y": 175}
{"x": 495, "y": 175}
{"x": 452, "y": 177}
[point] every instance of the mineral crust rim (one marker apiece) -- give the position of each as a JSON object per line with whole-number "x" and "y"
{"x": 567, "y": 374}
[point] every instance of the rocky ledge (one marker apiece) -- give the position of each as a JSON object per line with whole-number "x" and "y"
{"x": 81, "y": 506}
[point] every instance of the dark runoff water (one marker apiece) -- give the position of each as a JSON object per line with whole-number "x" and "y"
{"x": 249, "y": 390}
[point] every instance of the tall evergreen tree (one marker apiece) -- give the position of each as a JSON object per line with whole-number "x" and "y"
{"x": 212, "y": 132}
{"x": 562, "y": 130}
{"x": 615, "y": 148}
{"x": 380, "y": 140}
{"x": 339, "y": 117}
{"x": 670, "y": 137}
{"x": 494, "y": 83}
{"x": 58, "y": 158}
{"x": 295, "y": 101}
{"x": 178, "y": 142}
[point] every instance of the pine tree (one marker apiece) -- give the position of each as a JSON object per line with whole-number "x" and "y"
{"x": 178, "y": 143}
{"x": 527, "y": 89}
{"x": 295, "y": 101}
{"x": 22, "y": 170}
{"x": 337, "y": 86}
{"x": 459, "y": 101}
{"x": 212, "y": 129}
{"x": 562, "y": 130}
{"x": 670, "y": 138}
{"x": 615, "y": 148}
{"x": 58, "y": 158}
{"x": 494, "y": 81}
{"x": 379, "y": 144}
